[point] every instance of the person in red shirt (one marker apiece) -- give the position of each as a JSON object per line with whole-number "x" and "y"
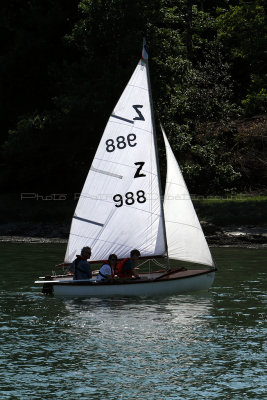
{"x": 125, "y": 268}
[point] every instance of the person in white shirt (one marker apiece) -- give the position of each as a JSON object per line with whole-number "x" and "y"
{"x": 107, "y": 271}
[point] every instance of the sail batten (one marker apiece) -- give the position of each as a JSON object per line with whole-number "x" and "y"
{"x": 88, "y": 221}
{"x": 99, "y": 171}
{"x": 122, "y": 119}
{"x": 183, "y": 224}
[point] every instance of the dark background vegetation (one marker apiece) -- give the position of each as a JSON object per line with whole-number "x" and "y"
{"x": 64, "y": 64}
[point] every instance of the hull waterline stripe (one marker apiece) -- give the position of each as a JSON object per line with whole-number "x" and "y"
{"x": 123, "y": 119}
{"x": 87, "y": 220}
{"x": 133, "y": 282}
{"x": 100, "y": 171}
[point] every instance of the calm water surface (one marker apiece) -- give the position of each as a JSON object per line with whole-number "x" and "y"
{"x": 198, "y": 346}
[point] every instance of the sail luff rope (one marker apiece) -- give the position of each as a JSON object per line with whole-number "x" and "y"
{"x": 156, "y": 154}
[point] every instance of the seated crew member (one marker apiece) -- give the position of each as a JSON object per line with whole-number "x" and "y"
{"x": 80, "y": 266}
{"x": 125, "y": 268}
{"x": 106, "y": 272}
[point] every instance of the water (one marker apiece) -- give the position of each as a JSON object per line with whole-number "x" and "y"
{"x": 198, "y": 346}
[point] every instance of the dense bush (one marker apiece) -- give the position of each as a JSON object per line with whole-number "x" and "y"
{"x": 65, "y": 63}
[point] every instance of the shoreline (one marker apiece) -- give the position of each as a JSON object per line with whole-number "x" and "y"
{"x": 34, "y": 240}
{"x": 230, "y": 236}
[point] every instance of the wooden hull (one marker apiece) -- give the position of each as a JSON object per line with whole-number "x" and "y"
{"x": 176, "y": 282}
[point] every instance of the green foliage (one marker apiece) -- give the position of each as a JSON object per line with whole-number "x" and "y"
{"x": 242, "y": 30}
{"x": 240, "y": 211}
{"x": 256, "y": 99}
{"x": 243, "y": 26}
{"x": 191, "y": 94}
{"x": 65, "y": 63}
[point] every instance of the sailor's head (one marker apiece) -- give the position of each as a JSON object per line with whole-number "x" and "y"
{"x": 86, "y": 252}
{"x": 113, "y": 258}
{"x": 135, "y": 254}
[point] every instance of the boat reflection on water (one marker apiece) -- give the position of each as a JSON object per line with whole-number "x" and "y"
{"x": 151, "y": 317}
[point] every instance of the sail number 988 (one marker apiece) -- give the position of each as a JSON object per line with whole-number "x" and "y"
{"x": 129, "y": 198}
{"x": 121, "y": 142}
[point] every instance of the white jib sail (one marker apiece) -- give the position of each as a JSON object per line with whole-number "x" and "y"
{"x": 119, "y": 207}
{"x": 185, "y": 238}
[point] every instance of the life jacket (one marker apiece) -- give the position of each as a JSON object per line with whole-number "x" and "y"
{"x": 119, "y": 269}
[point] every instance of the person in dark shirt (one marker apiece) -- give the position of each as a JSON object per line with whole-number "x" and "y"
{"x": 80, "y": 267}
{"x": 125, "y": 268}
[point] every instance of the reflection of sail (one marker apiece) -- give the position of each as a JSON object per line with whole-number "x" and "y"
{"x": 186, "y": 241}
{"x": 121, "y": 191}
{"x": 182, "y": 315}
{"x": 189, "y": 309}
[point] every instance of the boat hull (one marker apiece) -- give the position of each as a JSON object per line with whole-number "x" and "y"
{"x": 169, "y": 285}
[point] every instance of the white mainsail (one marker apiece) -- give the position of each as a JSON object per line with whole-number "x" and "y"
{"x": 185, "y": 238}
{"x": 119, "y": 208}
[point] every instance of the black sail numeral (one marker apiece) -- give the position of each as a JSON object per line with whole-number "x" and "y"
{"x": 129, "y": 198}
{"x": 121, "y": 142}
{"x": 118, "y": 199}
{"x": 141, "y": 196}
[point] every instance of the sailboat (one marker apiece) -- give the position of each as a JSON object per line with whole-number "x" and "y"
{"x": 120, "y": 207}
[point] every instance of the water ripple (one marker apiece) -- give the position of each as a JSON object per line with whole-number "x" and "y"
{"x": 201, "y": 346}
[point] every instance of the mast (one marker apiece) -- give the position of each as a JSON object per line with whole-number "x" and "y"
{"x": 145, "y": 60}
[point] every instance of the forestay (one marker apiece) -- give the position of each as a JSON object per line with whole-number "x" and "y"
{"x": 185, "y": 237}
{"x": 119, "y": 207}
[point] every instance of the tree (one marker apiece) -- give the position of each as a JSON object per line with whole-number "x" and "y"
{"x": 242, "y": 30}
{"x": 86, "y": 58}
